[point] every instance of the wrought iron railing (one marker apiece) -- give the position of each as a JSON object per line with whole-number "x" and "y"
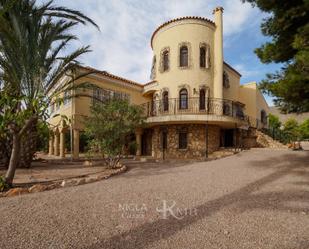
{"x": 207, "y": 106}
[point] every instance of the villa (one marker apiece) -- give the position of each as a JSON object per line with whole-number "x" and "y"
{"x": 194, "y": 103}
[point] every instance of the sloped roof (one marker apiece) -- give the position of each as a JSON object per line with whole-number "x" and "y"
{"x": 180, "y": 19}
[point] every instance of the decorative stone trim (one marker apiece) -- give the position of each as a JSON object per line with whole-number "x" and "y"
{"x": 161, "y": 67}
{"x": 190, "y": 59}
{"x": 164, "y": 89}
{"x": 186, "y": 86}
{"x": 63, "y": 183}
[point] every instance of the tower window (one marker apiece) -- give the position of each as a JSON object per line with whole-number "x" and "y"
{"x": 183, "y": 99}
{"x": 184, "y": 56}
{"x": 202, "y": 57}
{"x": 165, "y": 61}
{"x": 202, "y": 99}
{"x": 165, "y": 101}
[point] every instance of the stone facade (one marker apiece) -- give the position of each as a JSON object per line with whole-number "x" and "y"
{"x": 196, "y": 141}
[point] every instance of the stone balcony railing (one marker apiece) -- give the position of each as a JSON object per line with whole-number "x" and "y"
{"x": 195, "y": 106}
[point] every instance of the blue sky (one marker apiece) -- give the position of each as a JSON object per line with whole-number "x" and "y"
{"x": 122, "y": 46}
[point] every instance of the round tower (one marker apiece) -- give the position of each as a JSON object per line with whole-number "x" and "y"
{"x": 184, "y": 56}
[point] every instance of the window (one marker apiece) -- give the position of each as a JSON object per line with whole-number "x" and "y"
{"x": 263, "y": 117}
{"x": 202, "y": 57}
{"x": 183, "y": 140}
{"x": 226, "y": 109}
{"x": 165, "y": 101}
{"x": 184, "y": 56}
{"x": 67, "y": 98}
{"x": 239, "y": 112}
{"x": 183, "y": 99}
{"x": 202, "y": 99}
{"x": 103, "y": 95}
{"x": 226, "y": 80}
{"x": 165, "y": 61}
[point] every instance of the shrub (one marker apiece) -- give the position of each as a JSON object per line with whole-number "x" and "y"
{"x": 3, "y": 184}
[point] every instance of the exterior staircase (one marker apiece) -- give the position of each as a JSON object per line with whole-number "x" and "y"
{"x": 265, "y": 141}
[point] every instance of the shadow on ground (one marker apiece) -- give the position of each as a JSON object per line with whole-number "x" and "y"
{"x": 246, "y": 198}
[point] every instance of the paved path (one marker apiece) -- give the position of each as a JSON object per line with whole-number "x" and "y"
{"x": 256, "y": 199}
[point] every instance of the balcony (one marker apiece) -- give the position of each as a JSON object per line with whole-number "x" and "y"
{"x": 194, "y": 109}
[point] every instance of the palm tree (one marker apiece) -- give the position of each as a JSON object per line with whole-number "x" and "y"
{"x": 33, "y": 39}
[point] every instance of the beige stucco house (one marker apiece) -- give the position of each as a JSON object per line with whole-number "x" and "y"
{"x": 194, "y": 102}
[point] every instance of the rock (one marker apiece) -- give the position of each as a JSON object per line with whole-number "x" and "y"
{"x": 266, "y": 141}
{"x": 16, "y": 191}
{"x": 37, "y": 188}
{"x": 52, "y": 186}
{"x": 226, "y": 232}
{"x": 69, "y": 183}
{"x": 88, "y": 163}
{"x": 81, "y": 181}
{"x": 90, "y": 180}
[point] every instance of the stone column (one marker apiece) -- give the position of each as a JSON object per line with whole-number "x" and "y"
{"x": 62, "y": 143}
{"x": 218, "y": 55}
{"x": 138, "y": 135}
{"x": 51, "y": 144}
{"x": 56, "y": 143}
{"x": 75, "y": 144}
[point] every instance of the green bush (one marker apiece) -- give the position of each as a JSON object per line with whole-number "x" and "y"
{"x": 3, "y": 184}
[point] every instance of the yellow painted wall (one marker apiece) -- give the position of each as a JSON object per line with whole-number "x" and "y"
{"x": 250, "y": 95}
{"x": 232, "y": 93}
{"x": 79, "y": 107}
{"x": 193, "y": 32}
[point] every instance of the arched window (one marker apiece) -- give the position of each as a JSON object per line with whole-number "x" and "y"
{"x": 202, "y": 99}
{"x": 165, "y": 61}
{"x": 263, "y": 117}
{"x": 202, "y": 57}
{"x": 165, "y": 101}
{"x": 184, "y": 56}
{"x": 183, "y": 99}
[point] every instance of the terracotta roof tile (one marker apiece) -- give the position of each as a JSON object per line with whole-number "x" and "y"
{"x": 180, "y": 19}
{"x": 107, "y": 74}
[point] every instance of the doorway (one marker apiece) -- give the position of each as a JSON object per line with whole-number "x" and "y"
{"x": 147, "y": 142}
{"x": 228, "y": 138}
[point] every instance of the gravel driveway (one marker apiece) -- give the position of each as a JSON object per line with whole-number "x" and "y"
{"x": 255, "y": 199}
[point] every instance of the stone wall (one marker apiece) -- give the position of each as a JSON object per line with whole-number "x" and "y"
{"x": 249, "y": 138}
{"x": 196, "y": 141}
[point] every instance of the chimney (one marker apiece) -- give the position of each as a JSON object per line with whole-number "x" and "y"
{"x": 218, "y": 54}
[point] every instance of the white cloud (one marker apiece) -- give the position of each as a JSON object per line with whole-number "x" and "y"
{"x": 123, "y": 45}
{"x": 246, "y": 73}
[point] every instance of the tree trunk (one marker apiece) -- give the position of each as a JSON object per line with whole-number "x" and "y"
{"x": 13, "y": 160}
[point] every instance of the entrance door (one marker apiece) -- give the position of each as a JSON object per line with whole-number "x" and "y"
{"x": 229, "y": 138}
{"x": 147, "y": 142}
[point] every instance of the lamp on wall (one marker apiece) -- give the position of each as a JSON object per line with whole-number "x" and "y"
{"x": 194, "y": 91}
